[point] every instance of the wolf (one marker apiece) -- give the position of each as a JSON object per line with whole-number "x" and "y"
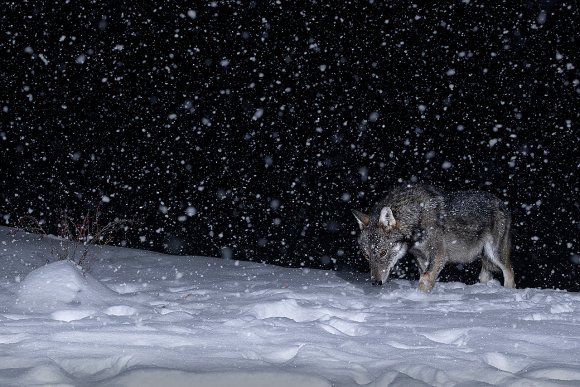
{"x": 436, "y": 227}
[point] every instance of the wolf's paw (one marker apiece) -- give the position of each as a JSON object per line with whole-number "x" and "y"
{"x": 426, "y": 283}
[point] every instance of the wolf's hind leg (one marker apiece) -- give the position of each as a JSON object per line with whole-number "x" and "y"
{"x": 508, "y": 277}
{"x": 485, "y": 275}
{"x": 504, "y": 264}
{"x": 487, "y": 268}
{"x": 422, "y": 263}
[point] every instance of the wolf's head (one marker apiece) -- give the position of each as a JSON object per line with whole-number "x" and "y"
{"x": 381, "y": 242}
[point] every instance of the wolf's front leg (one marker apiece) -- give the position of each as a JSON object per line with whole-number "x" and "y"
{"x": 427, "y": 280}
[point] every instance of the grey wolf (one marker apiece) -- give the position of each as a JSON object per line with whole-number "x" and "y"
{"x": 436, "y": 227}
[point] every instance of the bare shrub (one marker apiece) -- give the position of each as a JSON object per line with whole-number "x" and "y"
{"x": 77, "y": 235}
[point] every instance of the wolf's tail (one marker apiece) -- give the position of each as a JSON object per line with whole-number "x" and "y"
{"x": 505, "y": 242}
{"x": 505, "y": 249}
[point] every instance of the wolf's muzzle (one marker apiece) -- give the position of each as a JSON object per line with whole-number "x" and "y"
{"x": 377, "y": 283}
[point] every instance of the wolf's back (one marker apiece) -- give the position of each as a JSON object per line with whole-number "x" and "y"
{"x": 413, "y": 205}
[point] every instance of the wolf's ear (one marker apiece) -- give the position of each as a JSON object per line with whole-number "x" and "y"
{"x": 362, "y": 219}
{"x": 387, "y": 219}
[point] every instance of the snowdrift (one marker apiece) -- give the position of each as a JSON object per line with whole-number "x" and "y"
{"x": 61, "y": 284}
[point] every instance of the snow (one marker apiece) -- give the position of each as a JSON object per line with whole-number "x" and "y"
{"x": 145, "y": 319}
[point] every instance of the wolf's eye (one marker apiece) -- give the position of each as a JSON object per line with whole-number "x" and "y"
{"x": 383, "y": 253}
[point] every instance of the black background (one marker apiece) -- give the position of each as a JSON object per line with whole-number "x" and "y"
{"x": 250, "y": 129}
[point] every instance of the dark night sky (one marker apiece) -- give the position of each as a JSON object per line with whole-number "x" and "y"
{"x": 257, "y": 126}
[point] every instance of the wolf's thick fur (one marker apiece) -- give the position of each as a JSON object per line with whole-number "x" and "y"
{"x": 437, "y": 227}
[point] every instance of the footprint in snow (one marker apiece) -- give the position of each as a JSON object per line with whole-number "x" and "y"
{"x": 290, "y": 309}
{"x": 505, "y": 363}
{"x": 71, "y": 315}
{"x": 555, "y": 373}
{"x": 13, "y": 338}
{"x": 337, "y": 326}
{"x": 282, "y": 355}
{"x": 448, "y": 336}
{"x": 120, "y": 310}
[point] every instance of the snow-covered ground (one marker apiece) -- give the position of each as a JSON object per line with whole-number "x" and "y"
{"x": 147, "y": 319}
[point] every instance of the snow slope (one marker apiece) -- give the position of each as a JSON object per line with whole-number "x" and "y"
{"x": 147, "y": 319}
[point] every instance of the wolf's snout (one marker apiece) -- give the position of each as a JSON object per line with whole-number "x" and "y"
{"x": 377, "y": 283}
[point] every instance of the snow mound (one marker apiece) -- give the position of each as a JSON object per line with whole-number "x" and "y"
{"x": 61, "y": 284}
